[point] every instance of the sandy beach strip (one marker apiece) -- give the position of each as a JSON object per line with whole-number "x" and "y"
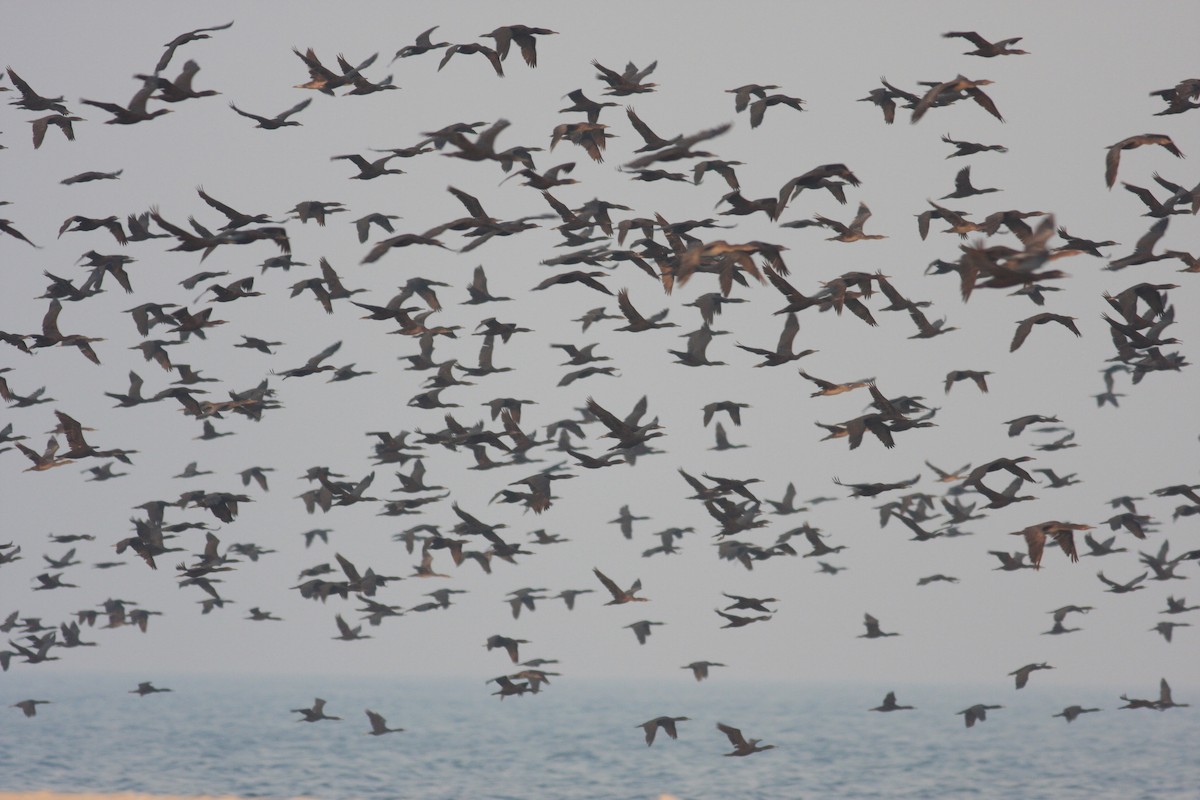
{"x": 44, "y": 795}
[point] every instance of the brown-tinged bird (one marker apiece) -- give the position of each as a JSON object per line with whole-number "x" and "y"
{"x": 620, "y": 595}
{"x": 741, "y": 745}
{"x": 1113, "y": 159}
{"x": 954, "y": 89}
{"x": 61, "y": 121}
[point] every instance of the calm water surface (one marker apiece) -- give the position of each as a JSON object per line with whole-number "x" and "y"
{"x": 580, "y": 740}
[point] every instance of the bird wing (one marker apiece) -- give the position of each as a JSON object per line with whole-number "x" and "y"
{"x": 262, "y": 119}
{"x": 613, "y": 589}
{"x": 1024, "y": 327}
{"x": 791, "y": 327}
{"x": 1035, "y": 540}
{"x": 303, "y": 104}
{"x": 216, "y": 204}
{"x": 324, "y": 354}
{"x": 627, "y": 308}
{"x": 652, "y": 139}
{"x": 735, "y": 735}
{"x": 1111, "y": 161}
{"x": 472, "y": 204}
{"x": 1066, "y": 540}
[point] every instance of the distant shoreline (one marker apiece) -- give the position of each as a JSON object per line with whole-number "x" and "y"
{"x": 47, "y": 795}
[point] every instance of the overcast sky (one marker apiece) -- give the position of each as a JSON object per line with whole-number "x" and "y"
{"x": 1084, "y": 86}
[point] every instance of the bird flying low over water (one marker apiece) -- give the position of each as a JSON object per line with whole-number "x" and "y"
{"x": 890, "y": 704}
{"x": 976, "y": 713}
{"x": 666, "y": 724}
{"x": 741, "y": 745}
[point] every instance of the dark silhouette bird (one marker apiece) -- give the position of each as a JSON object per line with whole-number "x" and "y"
{"x": 758, "y": 108}
{"x": 29, "y": 707}
{"x": 136, "y": 111}
{"x": 963, "y": 187}
{"x": 1178, "y": 606}
{"x": 1022, "y": 674}
{"x": 368, "y": 170}
{"x": 741, "y": 745}
{"x": 986, "y": 49}
{"x": 873, "y": 631}
{"x": 666, "y": 724}
{"x": 630, "y": 81}
{"x": 783, "y": 352}
{"x": 6, "y": 226}
{"x": 1166, "y": 629}
{"x": 976, "y": 713}
{"x": 91, "y": 175}
{"x": 146, "y": 687}
{"x": 31, "y": 100}
{"x": 184, "y": 38}
{"x": 1165, "y": 700}
{"x": 889, "y": 704}
{"x": 642, "y": 628}
{"x": 422, "y": 45}
{"x": 980, "y": 378}
{"x": 281, "y": 120}
{"x": 509, "y": 645}
{"x": 739, "y": 621}
{"x": 521, "y": 35}
{"x": 314, "y": 714}
{"x": 971, "y": 148}
{"x": 1071, "y": 713}
{"x": 179, "y": 89}
{"x": 1122, "y": 588}
{"x": 473, "y": 48}
{"x": 700, "y": 668}
{"x": 379, "y": 724}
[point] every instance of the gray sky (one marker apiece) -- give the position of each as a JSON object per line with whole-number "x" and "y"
{"x": 1064, "y": 104}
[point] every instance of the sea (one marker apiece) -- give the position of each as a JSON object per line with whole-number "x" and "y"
{"x": 581, "y": 739}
